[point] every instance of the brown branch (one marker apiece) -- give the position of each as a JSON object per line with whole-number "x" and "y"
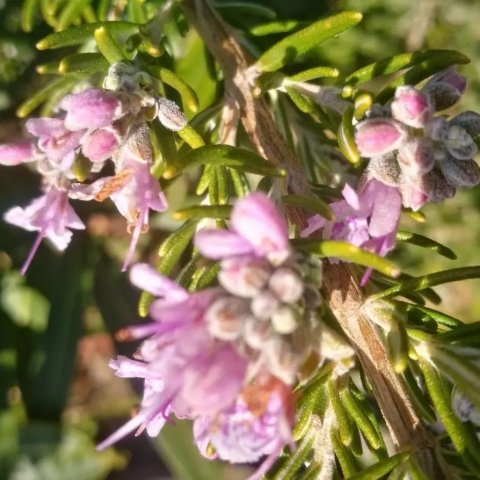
{"x": 344, "y": 294}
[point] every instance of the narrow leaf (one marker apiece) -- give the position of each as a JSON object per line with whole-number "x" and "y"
{"x": 380, "y": 469}
{"x": 189, "y": 97}
{"x": 425, "y": 242}
{"x": 418, "y": 397}
{"x": 29, "y": 10}
{"x": 83, "y": 63}
{"x": 240, "y": 182}
{"x": 108, "y": 46}
{"x": 299, "y": 43}
{"x": 226, "y": 156}
{"x": 422, "y": 71}
{"x": 78, "y": 35}
{"x": 135, "y": 11}
{"x": 311, "y": 204}
{"x": 246, "y": 7}
{"x": 346, "y": 137}
{"x": 270, "y": 28}
{"x": 430, "y": 280}
{"x": 204, "y": 211}
{"x": 439, "y": 317}
{"x": 314, "y": 73}
{"x": 302, "y": 102}
{"x": 70, "y": 13}
{"x": 399, "y": 62}
{"x": 347, "y": 252}
{"x": 359, "y": 416}
{"x": 60, "y": 84}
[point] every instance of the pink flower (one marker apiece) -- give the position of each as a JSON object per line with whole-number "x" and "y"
{"x": 51, "y": 215}
{"x": 259, "y": 424}
{"x": 411, "y": 107}
{"x": 367, "y": 219}
{"x": 99, "y": 145}
{"x": 185, "y": 370}
{"x": 55, "y": 139}
{"x": 258, "y": 229}
{"x": 134, "y": 201}
{"x": 92, "y": 108}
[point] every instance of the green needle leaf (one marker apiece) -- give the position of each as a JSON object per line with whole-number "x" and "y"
{"x": 380, "y": 469}
{"x": 425, "y": 242}
{"x": 311, "y": 204}
{"x": 399, "y": 62}
{"x": 347, "y": 252}
{"x": 63, "y": 84}
{"x": 109, "y": 47}
{"x": 346, "y": 137}
{"x": 275, "y": 27}
{"x": 83, "y": 63}
{"x": 422, "y": 71}
{"x": 189, "y": 97}
{"x": 218, "y": 212}
{"x": 247, "y": 7}
{"x": 226, "y": 156}
{"x": 81, "y": 34}
{"x": 299, "y": 43}
{"x": 29, "y": 9}
{"x": 314, "y": 73}
{"x": 431, "y": 280}
{"x": 70, "y": 13}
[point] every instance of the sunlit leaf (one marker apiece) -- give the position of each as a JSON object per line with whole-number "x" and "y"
{"x": 299, "y": 43}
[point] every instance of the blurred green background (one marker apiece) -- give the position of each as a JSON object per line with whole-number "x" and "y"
{"x": 57, "y": 394}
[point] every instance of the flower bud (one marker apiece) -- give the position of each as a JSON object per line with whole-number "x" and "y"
{"x": 244, "y": 278}
{"x": 264, "y": 305}
{"x": 460, "y": 173}
{"x": 411, "y": 107}
{"x": 469, "y": 121}
{"x": 282, "y": 361}
{"x": 285, "y": 320}
{"x": 287, "y": 284}
{"x": 436, "y": 186}
{"x": 170, "y": 115}
{"x": 256, "y": 333}
{"x": 378, "y": 136}
{"x": 442, "y": 95}
{"x": 450, "y": 77}
{"x": 459, "y": 143}
{"x": 226, "y": 316}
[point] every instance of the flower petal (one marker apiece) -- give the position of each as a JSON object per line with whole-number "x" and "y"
{"x": 216, "y": 244}
{"x": 147, "y": 278}
{"x": 411, "y": 107}
{"x": 92, "y": 108}
{"x": 16, "y": 153}
{"x": 257, "y": 220}
{"x": 378, "y": 136}
{"x": 99, "y": 145}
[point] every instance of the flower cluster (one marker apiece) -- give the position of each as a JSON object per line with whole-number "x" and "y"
{"x": 227, "y": 357}
{"x": 367, "y": 219}
{"x": 425, "y": 156}
{"x": 93, "y": 127}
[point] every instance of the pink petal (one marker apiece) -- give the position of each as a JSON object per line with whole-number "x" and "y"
{"x": 45, "y": 127}
{"x": 217, "y": 244}
{"x": 91, "y": 108}
{"x": 386, "y": 210}
{"x": 16, "y": 153}
{"x": 257, "y": 220}
{"x": 147, "y": 278}
{"x": 99, "y": 145}
{"x": 378, "y": 136}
